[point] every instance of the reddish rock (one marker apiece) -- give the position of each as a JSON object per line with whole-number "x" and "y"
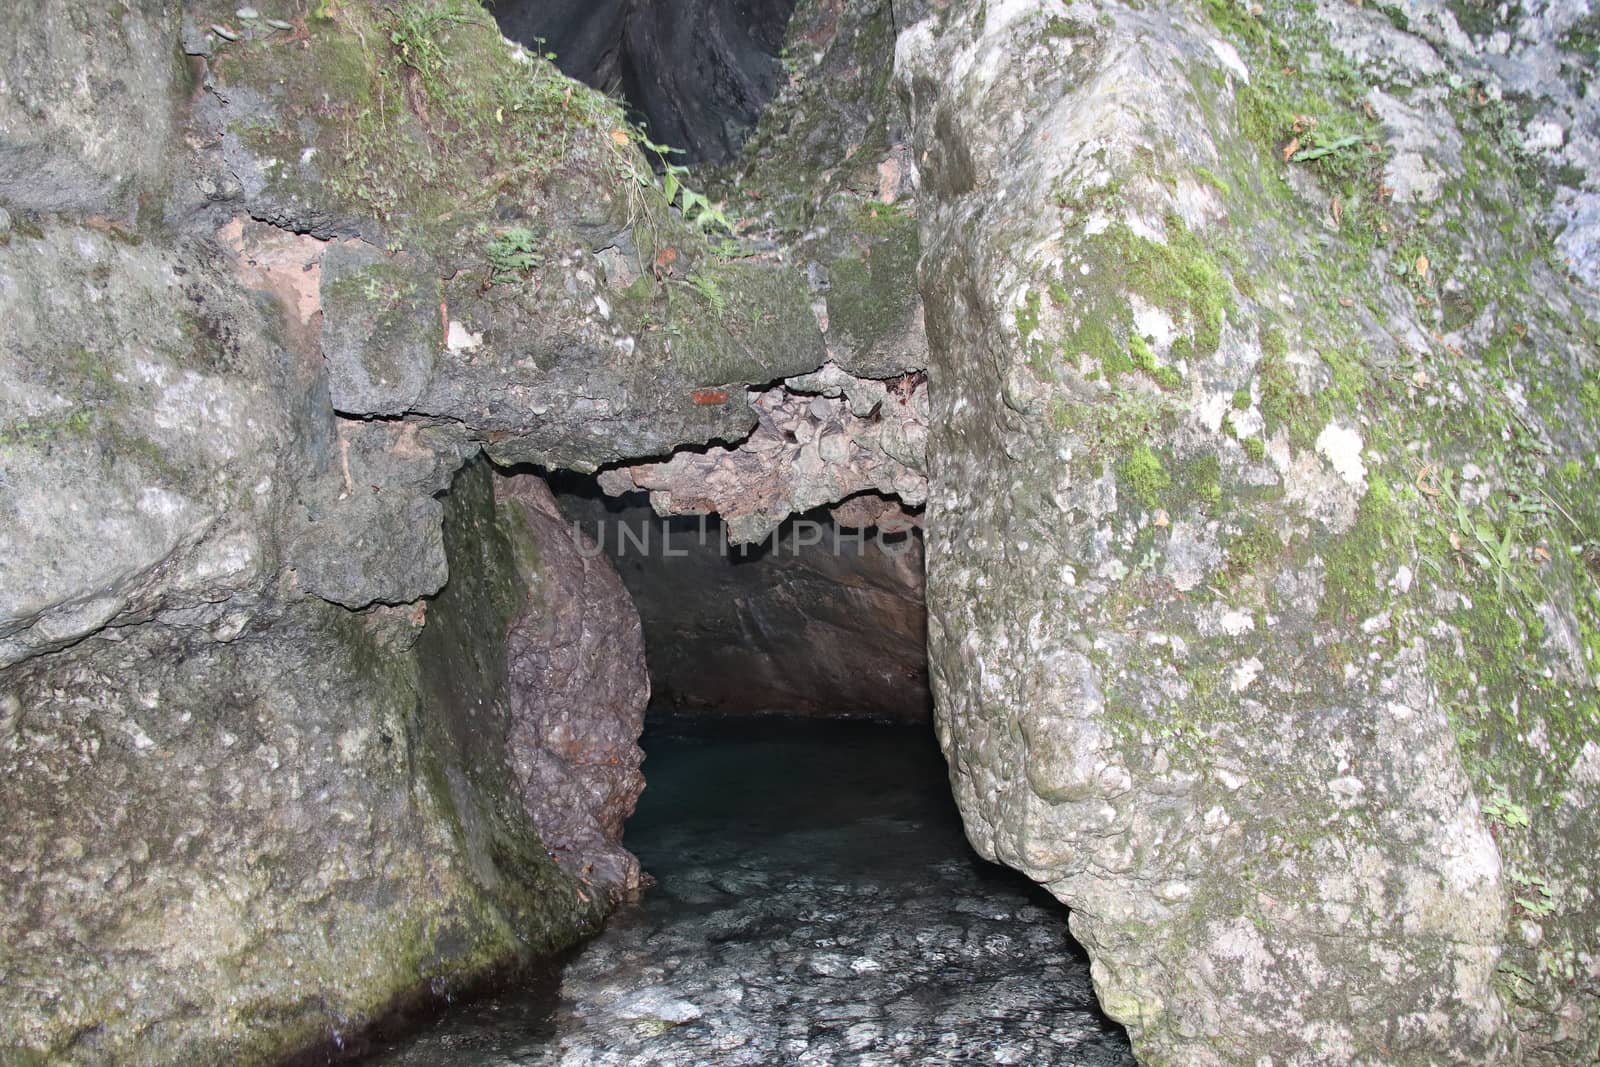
{"x": 575, "y": 655}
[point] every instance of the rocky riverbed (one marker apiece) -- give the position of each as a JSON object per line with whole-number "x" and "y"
{"x": 817, "y": 904}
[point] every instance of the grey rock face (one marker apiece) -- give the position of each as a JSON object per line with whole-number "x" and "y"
{"x": 829, "y": 173}
{"x": 88, "y": 102}
{"x": 1207, "y": 626}
{"x": 1533, "y": 67}
{"x": 380, "y": 330}
{"x": 578, "y": 688}
{"x": 370, "y": 530}
{"x": 146, "y": 410}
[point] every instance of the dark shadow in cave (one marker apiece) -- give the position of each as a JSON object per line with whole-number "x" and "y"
{"x": 697, "y": 73}
{"x": 817, "y": 620}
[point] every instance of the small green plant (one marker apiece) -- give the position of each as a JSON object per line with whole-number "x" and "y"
{"x": 1254, "y": 546}
{"x": 1140, "y": 353}
{"x": 512, "y": 254}
{"x": 694, "y": 206}
{"x": 1142, "y": 357}
{"x": 1537, "y": 899}
{"x": 1027, "y": 316}
{"x": 415, "y": 36}
{"x": 710, "y": 291}
{"x": 1321, "y": 146}
{"x": 1498, "y": 807}
{"x": 1478, "y": 539}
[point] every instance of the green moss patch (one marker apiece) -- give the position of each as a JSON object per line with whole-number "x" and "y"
{"x": 417, "y": 113}
{"x": 1145, "y": 475}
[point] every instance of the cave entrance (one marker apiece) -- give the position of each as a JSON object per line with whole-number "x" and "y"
{"x": 813, "y": 896}
{"x": 696, "y": 73}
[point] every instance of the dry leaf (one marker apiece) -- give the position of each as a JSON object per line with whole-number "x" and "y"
{"x": 1346, "y": 302}
{"x": 620, "y": 136}
{"x": 1338, "y": 212}
{"x": 1424, "y": 481}
{"x": 1290, "y": 149}
{"x": 1422, "y": 266}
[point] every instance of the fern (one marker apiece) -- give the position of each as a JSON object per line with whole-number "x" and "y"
{"x": 511, "y": 254}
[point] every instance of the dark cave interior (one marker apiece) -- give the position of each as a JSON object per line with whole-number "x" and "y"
{"x": 818, "y": 620}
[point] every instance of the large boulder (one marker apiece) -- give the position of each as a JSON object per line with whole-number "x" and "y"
{"x": 1261, "y": 577}
{"x": 231, "y": 850}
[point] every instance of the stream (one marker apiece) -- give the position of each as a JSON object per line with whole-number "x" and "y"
{"x": 817, "y": 904}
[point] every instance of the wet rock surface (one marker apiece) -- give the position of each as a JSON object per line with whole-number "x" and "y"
{"x": 817, "y": 905}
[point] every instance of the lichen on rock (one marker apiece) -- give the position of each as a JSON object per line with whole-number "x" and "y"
{"x": 1197, "y": 373}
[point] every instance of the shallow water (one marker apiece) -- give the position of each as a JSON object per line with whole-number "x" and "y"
{"x": 817, "y": 904}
